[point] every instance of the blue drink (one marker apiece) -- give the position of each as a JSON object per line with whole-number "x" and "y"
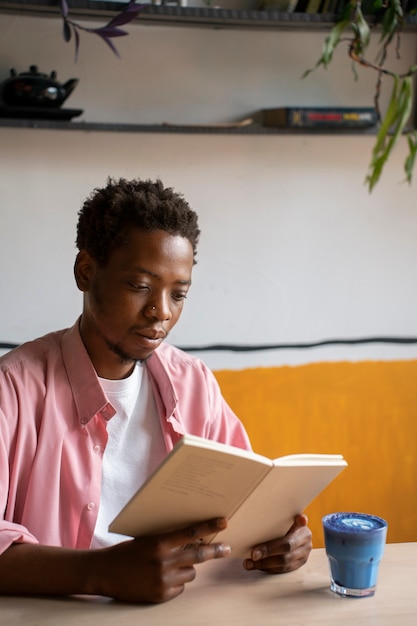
{"x": 354, "y": 546}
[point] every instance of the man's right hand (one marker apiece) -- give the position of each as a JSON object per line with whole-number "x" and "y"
{"x": 156, "y": 568}
{"x": 145, "y": 569}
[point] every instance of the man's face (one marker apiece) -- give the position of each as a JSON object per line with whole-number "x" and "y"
{"x": 131, "y": 304}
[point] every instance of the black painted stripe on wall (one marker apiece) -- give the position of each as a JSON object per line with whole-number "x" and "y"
{"x": 302, "y": 346}
{"x": 278, "y": 346}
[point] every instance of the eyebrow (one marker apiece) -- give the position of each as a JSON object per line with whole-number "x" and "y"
{"x": 143, "y": 270}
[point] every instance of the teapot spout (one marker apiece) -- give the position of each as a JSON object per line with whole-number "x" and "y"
{"x": 69, "y": 86}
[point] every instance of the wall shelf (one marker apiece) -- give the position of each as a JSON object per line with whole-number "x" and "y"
{"x": 174, "y": 15}
{"x": 252, "y": 129}
{"x": 180, "y": 16}
{"x": 185, "y": 16}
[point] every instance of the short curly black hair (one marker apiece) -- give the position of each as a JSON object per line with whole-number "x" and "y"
{"x": 109, "y": 212}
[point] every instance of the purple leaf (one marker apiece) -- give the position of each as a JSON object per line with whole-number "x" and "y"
{"x": 105, "y": 31}
{"x": 67, "y": 31}
{"x": 64, "y": 8}
{"x": 77, "y": 43}
{"x": 127, "y": 15}
{"x": 112, "y": 46}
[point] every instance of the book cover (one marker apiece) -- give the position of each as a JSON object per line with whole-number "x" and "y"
{"x": 320, "y": 117}
{"x": 201, "y": 479}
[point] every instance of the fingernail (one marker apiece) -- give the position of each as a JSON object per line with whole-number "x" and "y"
{"x": 257, "y": 555}
{"x": 226, "y": 550}
{"x": 221, "y": 522}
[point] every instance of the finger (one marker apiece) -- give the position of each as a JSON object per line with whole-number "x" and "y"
{"x": 282, "y": 550}
{"x": 285, "y": 561}
{"x": 199, "y": 553}
{"x": 281, "y": 544}
{"x": 280, "y": 564}
{"x": 196, "y": 532}
{"x": 296, "y": 535}
{"x": 179, "y": 578}
{"x": 181, "y": 568}
{"x": 300, "y": 520}
{"x": 205, "y": 552}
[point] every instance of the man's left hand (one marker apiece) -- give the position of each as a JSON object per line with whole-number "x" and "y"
{"x": 285, "y": 554}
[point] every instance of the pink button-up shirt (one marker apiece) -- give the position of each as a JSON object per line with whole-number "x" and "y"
{"x": 53, "y": 414}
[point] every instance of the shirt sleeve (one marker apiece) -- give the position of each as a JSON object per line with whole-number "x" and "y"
{"x": 10, "y": 532}
{"x": 13, "y": 533}
{"x": 225, "y": 426}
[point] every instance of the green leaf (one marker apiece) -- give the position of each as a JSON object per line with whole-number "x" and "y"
{"x": 390, "y": 14}
{"x": 411, "y": 159}
{"x": 392, "y": 127}
{"x": 364, "y": 32}
{"x": 330, "y": 45}
{"x": 388, "y": 120}
{"x": 391, "y": 19}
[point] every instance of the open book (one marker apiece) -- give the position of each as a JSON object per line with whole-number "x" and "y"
{"x": 202, "y": 479}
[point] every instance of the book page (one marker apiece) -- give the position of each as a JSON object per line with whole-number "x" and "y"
{"x": 309, "y": 459}
{"x": 269, "y": 512}
{"x": 194, "y": 483}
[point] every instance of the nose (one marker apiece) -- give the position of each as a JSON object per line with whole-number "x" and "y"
{"x": 159, "y": 310}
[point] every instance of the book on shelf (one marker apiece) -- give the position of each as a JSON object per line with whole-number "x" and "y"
{"x": 320, "y": 117}
{"x": 202, "y": 479}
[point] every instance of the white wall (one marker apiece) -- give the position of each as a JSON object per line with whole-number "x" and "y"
{"x": 294, "y": 248}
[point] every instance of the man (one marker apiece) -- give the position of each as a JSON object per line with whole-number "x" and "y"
{"x": 88, "y": 412}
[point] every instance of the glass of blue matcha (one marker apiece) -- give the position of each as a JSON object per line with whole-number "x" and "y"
{"x": 354, "y": 546}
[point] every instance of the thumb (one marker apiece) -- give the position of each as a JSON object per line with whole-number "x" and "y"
{"x": 300, "y": 520}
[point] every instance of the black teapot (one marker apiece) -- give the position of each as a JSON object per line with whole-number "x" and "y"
{"x": 35, "y": 89}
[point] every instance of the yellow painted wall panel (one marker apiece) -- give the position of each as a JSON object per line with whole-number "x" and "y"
{"x": 366, "y": 411}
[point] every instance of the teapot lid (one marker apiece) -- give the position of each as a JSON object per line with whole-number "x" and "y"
{"x": 33, "y": 71}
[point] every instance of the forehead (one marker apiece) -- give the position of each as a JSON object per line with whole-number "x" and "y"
{"x": 153, "y": 251}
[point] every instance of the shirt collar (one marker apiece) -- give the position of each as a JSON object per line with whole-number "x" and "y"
{"x": 89, "y": 397}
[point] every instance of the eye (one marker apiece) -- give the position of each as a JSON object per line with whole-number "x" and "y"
{"x": 179, "y": 296}
{"x": 137, "y": 287}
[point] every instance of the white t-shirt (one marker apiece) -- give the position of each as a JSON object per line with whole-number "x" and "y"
{"x": 134, "y": 449}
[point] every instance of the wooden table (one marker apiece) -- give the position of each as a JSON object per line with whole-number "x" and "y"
{"x": 223, "y": 594}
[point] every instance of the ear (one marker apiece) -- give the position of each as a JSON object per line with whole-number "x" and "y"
{"x": 84, "y": 269}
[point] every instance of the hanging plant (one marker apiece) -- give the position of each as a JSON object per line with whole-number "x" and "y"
{"x": 72, "y": 29}
{"x": 354, "y": 29}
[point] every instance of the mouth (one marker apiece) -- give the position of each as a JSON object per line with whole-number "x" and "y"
{"x": 149, "y": 337}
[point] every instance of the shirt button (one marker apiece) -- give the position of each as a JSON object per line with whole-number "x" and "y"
{"x": 97, "y": 449}
{"x": 83, "y": 421}
{"x": 91, "y": 506}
